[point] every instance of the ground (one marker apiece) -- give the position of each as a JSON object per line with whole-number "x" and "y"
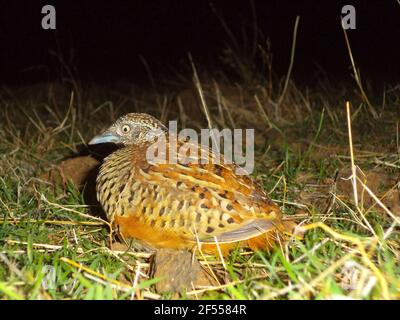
{"x": 56, "y": 245}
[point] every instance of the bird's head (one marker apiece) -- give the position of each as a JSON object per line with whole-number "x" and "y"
{"x": 132, "y": 128}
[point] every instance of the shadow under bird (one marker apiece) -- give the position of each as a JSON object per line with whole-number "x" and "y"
{"x": 180, "y": 205}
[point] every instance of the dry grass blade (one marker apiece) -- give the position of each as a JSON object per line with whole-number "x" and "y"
{"x": 95, "y": 273}
{"x": 53, "y": 247}
{"x": 220, "y": 253}
{"x": 358, "y": 79}
{"x": 203, "y": 101}
{"x": 353, "y": 167}
{"x": 55, "y": 222}
{"x": 285, "y": 87}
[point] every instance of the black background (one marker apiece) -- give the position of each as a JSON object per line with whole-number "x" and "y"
{"x": 106, "y": 38}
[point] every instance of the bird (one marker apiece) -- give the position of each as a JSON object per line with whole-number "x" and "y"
{"x": 182, "y": 204}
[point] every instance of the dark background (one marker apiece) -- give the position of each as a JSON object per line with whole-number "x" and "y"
{"x": 104, "y": 40}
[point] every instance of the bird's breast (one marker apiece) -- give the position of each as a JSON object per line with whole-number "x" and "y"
{"x": 115, "y": 184}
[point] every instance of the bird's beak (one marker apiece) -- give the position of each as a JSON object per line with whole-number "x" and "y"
{"x": 106, "y": 137}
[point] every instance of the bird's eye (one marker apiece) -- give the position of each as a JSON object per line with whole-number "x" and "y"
{"x": 125, "y": 128}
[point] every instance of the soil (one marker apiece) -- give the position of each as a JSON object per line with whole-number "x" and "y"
{"x": 74, "y": 170}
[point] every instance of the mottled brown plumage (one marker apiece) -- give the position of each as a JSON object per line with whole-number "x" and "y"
{"x": 184, "y": 204}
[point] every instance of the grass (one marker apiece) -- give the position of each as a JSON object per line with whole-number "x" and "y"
{"x": 55, "y": 246}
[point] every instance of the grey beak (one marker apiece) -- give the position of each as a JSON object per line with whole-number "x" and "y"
{"x": 106, "y": 137}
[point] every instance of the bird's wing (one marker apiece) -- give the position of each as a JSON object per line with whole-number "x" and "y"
{"x": 204, "y": 201}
